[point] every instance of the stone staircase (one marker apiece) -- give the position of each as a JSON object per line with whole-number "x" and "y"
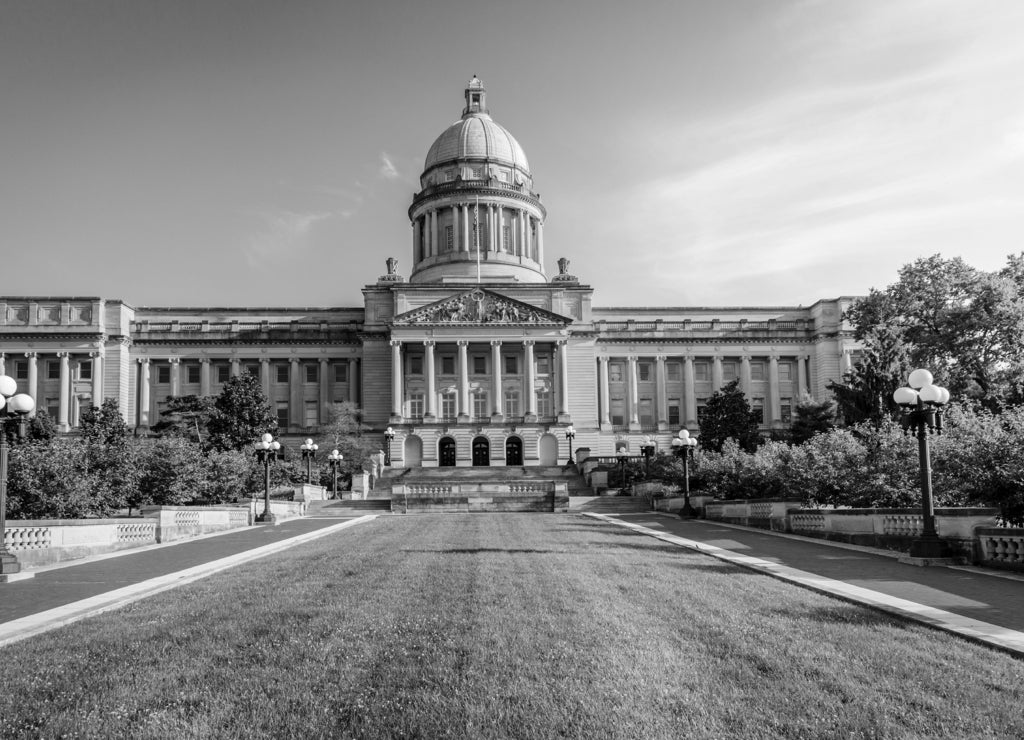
{"x": 608, "y": 504}
{"x": 347, "y": 508}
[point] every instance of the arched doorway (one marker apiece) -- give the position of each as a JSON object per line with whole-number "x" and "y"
{"x": 412, "y": 451}
{"x": 513, "y": 451}
{"x": 548, "y": 450}
{"x": 481, "y": 451}
{"x": 446, "y": 452}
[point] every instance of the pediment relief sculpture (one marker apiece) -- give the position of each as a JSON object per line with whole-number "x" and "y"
{"x": 480, "y": 307}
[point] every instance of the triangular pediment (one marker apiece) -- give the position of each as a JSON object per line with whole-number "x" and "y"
{"x": 479, "y": 306}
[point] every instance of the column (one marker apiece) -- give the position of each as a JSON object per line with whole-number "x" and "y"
{"x": 397, "y": 393}
{"x": 716, "y": 374}
{"x": 353, "y": 381}
{"x": 3, "y": 364}
{"x": 435, "y": 247}
{"x": 236, "y": 367}
{"x": 540, "y": 242}
{"x": 745, "y": 383}
{"x": 497, "y": 397}
{"x": 845, "y": 361}
{"x": 690, "y": 401}
{"x": 661, "y": 393}
{"x": 294, "y": 392}
{"x": 175, "y": 375}
{"x": 325, "y": 390}
{"x": 466, "y": 242}
{"x": 773, "y": 390}
{"x": 63, "y": 409}
{"x": 632, "y": 395}
{"x": 264, "y": 379}
{"x": 530, "y": 402}
{"x": 801, "y": 375}
{"x": 144, "y": 383}
{"x": 417, "y": 240}
{"x": 204, "y": 376}
{"x": 97, "y": 378}
{"x": 463, "y": 380}
{"x": 563, "y": 381}
{"x": 521, "y": 221}
{"x": 456, "y": 240}
{"x": 428, "y": 368}
{"x": 604, "y": 397}
{"x": 33, "y": 380}
{"x": 492, "y": 220}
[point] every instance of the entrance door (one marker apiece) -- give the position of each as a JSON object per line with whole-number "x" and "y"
{"x": 549, "y": 450}
{"x": 446, "y": 453}
{"x": 513, "y": 451}
{"x": 481, "y": 451}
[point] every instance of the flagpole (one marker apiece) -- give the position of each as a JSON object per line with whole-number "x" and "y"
{"x": 476, "y": 236}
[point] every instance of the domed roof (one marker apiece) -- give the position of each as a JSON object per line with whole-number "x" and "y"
{"x": 476, "y": 136}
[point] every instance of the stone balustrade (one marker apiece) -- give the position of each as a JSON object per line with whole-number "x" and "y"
{"x": 484, "y": 496}
{"x": 1001, "y": 547}
{"x": 49, "y": 541}
{"x": 182, "y": 522}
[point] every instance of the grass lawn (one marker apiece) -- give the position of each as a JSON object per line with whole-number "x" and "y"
{"x": 513, "y": 625}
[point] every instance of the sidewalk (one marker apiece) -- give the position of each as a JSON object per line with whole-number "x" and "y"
{"x": 979, "y": 604}
{"x": 65, "y": 593}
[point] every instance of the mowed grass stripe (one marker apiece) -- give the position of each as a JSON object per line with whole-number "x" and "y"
{"x": 501, "y": 626}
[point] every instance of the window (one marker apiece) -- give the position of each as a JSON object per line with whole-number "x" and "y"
{"x": 646, "y": 413}
{"x": 449, "y": 175}
{"x": 223, "y": 372}
{"x": 85, "y": 370}
{"x": 312, "y": 373}
{"x": 512, "y": 403}
{"x": 479, "y": 365}
{"x": 192, "y": 373}
{"x": 53, "y": 370}
{"x": 480, "y": 405}
{"x": 543, "y": 403}
{"x": 449, "y": 238}
{"x": 341, "y": 373}
{"x": 618, "y": 412}
{"x": 757, "y": 370}
{"x": 21, "y": 370}
{"x": 643, "y": 370}
{"x": 163, "y": 373}
{"x": 282, "y": 372}
{"x": 543, "y": 365}
{"x": 53, "y": 407}
{"x": 448, "y": 406}
{"x": 282, "y": 415}
{"x": 786, "y": 410}
{"x": 785, "y": 371}
{"x": 415, "y": 365}
{"x": 729, "y": 371}
{"x": 614, "y": 372}
{"x": 511, "y": 365}
{"x": 673, "y": 412}
{"x": 476, "y": 172}
{"x": 505, "y": 241}
{"x": 702, "y": 407}
{"x": 701, "y": 371}
{"x": 757, "y": 406}
{"x": 674, "y": 371}
{"x": 253, "y": 368}
{"x": 416, "y": 405}
{"x": 311, "y": 417}
{"x": 447, "y": 365}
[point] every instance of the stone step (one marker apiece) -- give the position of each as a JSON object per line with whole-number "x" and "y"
{"x": 608, "y": 504}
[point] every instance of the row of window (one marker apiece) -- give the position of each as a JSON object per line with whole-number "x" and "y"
{"x": 480, "y": 365}
{"x": 701, "y": 370}
{"x": 645, "y": 411}
{"x": 280, "y": 372}
{"x": 480, "y": 401}
{"x": 51, "y": 369}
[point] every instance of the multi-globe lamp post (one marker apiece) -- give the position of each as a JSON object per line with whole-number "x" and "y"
{"x": 570, "y": 435}
{"x": 309, "y": 454}
{"x": 684, "y": 444}
{"x": 14, "y": 407}
{"x": 335, "y": 459}
{"x": 922, "y": 406}
{"x": 647, "y": 448}
{"x": 389, "y": 436}
{"x": 266, "y": 451}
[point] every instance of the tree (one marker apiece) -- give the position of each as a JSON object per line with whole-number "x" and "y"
{"x": 104, "y": 425}
{"x": 187, "y": 417}
{"x": 172, "y": 472}
{"x": 41, "y": 427}
{"x": 109, "y": 452}
{"x": 727, "y": 415}
{"x": 345, "y": 432}
{"x": 240, "y": 414}
{"x": 811, "y": 417}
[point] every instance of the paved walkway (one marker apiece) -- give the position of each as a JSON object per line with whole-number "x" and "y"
{"x": 980, "y": 604}
{"x": 64, "y": 593}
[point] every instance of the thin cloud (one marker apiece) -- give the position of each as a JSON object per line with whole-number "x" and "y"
{"x": 387, "y": 168}
{"x": 282, "y": 233}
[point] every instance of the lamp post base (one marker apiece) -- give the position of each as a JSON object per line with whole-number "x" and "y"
{"x": 688, "y": 512}
{"x": 10, "y": 569}
{"x": 929, "y": 547}
{"x": 266, "y": 519}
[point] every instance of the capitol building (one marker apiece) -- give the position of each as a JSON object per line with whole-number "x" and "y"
{"x": 474, "y": 355}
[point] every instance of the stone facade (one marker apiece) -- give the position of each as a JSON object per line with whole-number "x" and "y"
{"x": 477, "y": 358}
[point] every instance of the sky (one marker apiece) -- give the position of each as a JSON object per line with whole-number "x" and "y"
{"x": 689, "y": 152}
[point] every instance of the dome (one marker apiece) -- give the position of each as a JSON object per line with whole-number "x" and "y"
{"x": 476, "y": 136}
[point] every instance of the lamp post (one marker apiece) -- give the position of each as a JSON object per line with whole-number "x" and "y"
{"x": 922, "y": 406}
{"x": 14, "y": 407}
{"x": 308, "y": 454}
{"x": 647, "y": 447}
{"x": 335, "y": 459}
{"x": 622, "y": 467}
{"x": 684, "y": 444}
{"x": 389, "y": 434}
{"x": 266, "y": 450}
{"x": 570, "y": 435}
